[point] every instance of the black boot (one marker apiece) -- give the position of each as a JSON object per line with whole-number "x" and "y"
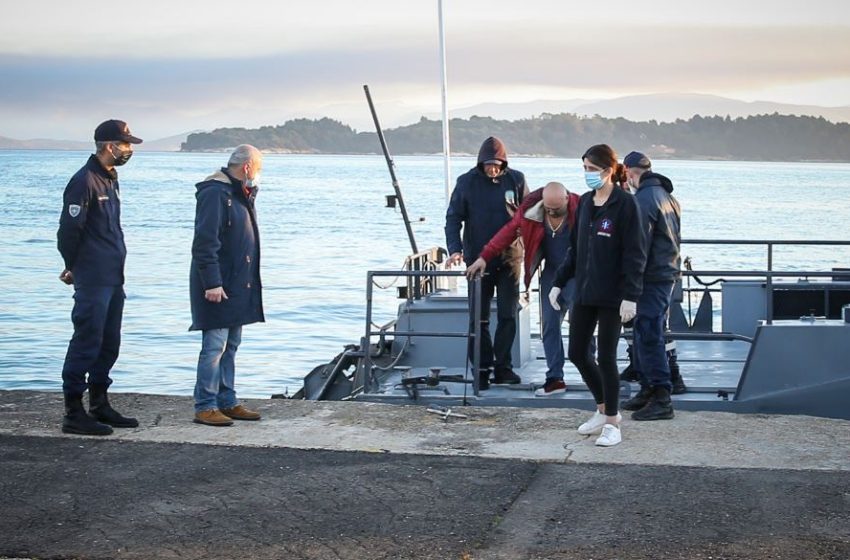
{"x": 675, "y": 376}
{"x": 76, "y": 421}
{"x": 99, "y": 409}
{"x": 630, "y": 374}
{"x": 638, "y": 401}
{"x": 659, "y": 407}
{"x": 505, "y": 376}
{"x": 483, "y": 379}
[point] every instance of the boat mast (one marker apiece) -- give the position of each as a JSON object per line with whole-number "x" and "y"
{"x": 446, "y": 148}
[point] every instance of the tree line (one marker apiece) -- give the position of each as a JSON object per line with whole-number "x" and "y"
{"x": 762, "y": 137}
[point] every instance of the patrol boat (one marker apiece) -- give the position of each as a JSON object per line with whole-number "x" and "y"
{"x": 759, "y": 341}
{"x": 783, "y": 346}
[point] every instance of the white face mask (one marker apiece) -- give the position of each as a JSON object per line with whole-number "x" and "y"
{"x": 255, "y": 182}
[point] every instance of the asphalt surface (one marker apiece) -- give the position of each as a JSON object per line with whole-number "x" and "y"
{"x": 89, "y": 498}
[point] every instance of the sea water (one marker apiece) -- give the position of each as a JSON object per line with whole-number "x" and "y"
{"x": 323, "y": 225}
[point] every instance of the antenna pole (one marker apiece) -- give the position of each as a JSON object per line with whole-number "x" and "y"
{"x": 391, "y": 166}
{"x": 446, "y": 147}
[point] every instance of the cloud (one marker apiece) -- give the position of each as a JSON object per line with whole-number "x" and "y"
{"x": 176, "y": 94}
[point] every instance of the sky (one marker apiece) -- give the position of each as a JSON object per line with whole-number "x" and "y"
{"x": 168, "y": 67}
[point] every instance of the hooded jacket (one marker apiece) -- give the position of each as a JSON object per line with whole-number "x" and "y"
{"x": 528, "y": 220}
{"x": 661, "y": 232}
{"x": 607, "y": 257}
{"x": 226, "y": 253}
{"x": 90, "y": 238}
{"x": 481, "y": 205}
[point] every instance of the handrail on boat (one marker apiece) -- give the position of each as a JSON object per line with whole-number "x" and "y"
{"x": 421, "y": 280}
{"x": 768, "y": 274}
{"x": 474, "y": 309}
{"x": 679, "y": 335}
{"x": 765, "y": 242}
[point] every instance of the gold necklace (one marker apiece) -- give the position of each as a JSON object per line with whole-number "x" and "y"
{"x": 553, "y": 228}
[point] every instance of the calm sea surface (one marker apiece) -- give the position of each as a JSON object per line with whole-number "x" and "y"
{"x": 323, "y": 225}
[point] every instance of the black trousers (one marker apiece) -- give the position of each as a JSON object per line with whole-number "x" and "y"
{"x": 93, "y": 349}
{"x": 602, "y": 377}
{"x": 496, "y": 352}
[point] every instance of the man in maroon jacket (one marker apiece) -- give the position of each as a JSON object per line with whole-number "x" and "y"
{"x": 544, "y": 221}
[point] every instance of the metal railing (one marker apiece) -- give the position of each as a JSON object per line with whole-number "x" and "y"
{"x": 473, "y": 334}
{"x": 769, "y": 274}
{"x": 429, "y": 260}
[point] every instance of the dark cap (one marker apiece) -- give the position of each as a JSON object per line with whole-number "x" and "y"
{"x": 114, "y": 131}
{"x": 636, "y": 159}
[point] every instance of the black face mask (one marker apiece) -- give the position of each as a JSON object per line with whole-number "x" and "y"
{"x": 123, "y": 158}
{"x": 556, "y": 212}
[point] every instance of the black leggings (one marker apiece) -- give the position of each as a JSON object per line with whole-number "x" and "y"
{"x": 602, "y": 379}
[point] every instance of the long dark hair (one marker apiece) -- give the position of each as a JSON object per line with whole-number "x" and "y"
{"x": 604, "y": 156}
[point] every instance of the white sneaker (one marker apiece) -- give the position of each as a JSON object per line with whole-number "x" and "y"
{"x": 610, "y": 436}
{"x": 595, "y": 423}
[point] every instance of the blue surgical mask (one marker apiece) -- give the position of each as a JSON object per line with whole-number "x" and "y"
{"x": 593, "y": 179}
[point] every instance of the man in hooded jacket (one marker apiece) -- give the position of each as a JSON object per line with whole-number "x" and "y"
{"x": 484, "y": 200}
{"x": 661, "y": 239}
{"x": 224, "y": 284}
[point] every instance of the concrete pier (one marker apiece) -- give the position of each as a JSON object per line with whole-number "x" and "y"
{"x": 355, "y": 480}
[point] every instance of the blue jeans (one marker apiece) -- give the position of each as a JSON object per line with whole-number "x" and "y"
{"x": 650, "y": 354}
{"x": 552, "y": 319}
{"x": 217, "y": 369}
{"x": 97, "y": 337}
{"x": 553, "y": 341}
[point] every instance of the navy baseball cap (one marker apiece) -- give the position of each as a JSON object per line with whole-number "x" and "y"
{"x": 114, "y": 131}
{"x": 637, "y": 159}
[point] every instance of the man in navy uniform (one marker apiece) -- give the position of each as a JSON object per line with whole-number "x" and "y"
{"x": 91, "y": 242}
{"x": 661, "y": 217}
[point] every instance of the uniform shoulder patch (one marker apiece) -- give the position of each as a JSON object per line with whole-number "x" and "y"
{"x": 74, "y": 210}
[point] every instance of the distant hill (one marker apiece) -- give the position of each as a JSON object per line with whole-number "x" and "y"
{"x": 661, "y": 107}
{"x": 669, "y": 107}
{"x": 170, "y": 144}
{"x": 516, "y": 111}
{"x": 42, "y": 144}
{"x": 765, "y": 137}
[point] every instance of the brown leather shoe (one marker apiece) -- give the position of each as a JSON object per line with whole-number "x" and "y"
{"x": 212, "y": 417}
{"x": 239, "y": 412}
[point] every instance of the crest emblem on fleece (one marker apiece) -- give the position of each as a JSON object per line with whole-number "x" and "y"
{"x": 74, "y": 210}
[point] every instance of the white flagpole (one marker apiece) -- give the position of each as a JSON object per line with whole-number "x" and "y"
{"x": 446, "y": 147}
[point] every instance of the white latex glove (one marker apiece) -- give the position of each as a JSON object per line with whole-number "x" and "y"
{"x": 628, "y": 309}
{"x": 454, "y": 259}
{"x": 553, "y": 298}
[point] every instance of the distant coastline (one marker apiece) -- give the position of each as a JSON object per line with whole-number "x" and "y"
{"x": 755, "y": 138}
{"x": 768, "y": 138}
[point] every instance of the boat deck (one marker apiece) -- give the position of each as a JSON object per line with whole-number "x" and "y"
{"x": 709, "y": 368}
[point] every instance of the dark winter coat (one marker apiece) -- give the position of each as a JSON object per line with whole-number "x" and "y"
{"x": 481, "y": 204}
{"x": 226, "y": 253}
{"x": 606, "y": 255}
{"x": 90, "y": 238}
{"x": 661, "y": 218}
